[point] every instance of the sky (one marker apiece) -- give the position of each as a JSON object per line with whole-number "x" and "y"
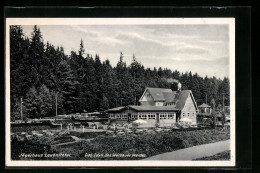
{"x": 202, "y": 49}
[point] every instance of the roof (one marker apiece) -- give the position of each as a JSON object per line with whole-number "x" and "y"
{"x": 117, "y": 109}
{"x": 179, "y": 99}
{"x": 153, "y": 108}
{"x": 169, "y": 96}
{"x": 157, "y": 93}
{"x": 204, "y": 106}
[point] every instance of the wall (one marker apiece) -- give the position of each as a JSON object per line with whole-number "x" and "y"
{"x": 189, "y": 110}
{"x": 165, "y": 118}
{"x": 123, "y": 115}
{"x": 159, "y": 103}
{"x": 147, "y": 99}
{"x": 147, "y": 103}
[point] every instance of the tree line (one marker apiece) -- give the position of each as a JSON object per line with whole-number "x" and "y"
{"x": 42, "y": 74}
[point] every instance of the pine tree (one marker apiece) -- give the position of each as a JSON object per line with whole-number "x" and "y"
{"x": 213, "y": 103}
{"x": 37, "y": 59}
{"x": 104, "y": 103}
{"x": 44, "y": 102}
{"x": 81, "y": 49}
{"x": 18, "y": 68}
{"x": 31, "y": 103}
{"x": 82, "y": 83}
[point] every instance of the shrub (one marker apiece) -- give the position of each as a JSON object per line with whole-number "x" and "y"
{"x": 29, "y": 147}
{"x": 147, "y": 143}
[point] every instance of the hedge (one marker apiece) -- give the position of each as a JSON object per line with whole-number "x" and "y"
{"x": 148, "y": 144}
{"x": 145, "y": 143}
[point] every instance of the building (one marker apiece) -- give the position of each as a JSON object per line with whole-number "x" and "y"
{"x": 204, "y": 108}
{"x": 159, "y": 105}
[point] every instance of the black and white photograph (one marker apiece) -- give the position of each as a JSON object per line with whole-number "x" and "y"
{"x": 120, "y": 92}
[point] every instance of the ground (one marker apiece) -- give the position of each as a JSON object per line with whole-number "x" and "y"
{"x": 195, "y": 152}
{"x": 140, "y": 144}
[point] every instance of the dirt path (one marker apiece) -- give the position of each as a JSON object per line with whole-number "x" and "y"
{"x": 76, "y": 140}
{"x": 194, "y": 152}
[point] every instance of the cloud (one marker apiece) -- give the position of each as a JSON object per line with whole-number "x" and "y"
{"x": 192, "y": 50}
{"x": 135, "y": 37}
{"x": 199, "y": 48}
{"x": 213, "y": 41}
{"x": 85, "y": 31}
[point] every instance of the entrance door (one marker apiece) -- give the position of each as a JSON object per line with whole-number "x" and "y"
{"x": 129, "y": 117}
{"x": 157, "y": 117}
{"x": 178, "y": 116}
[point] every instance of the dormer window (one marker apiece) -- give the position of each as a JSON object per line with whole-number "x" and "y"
{"x": 170, "y": 104}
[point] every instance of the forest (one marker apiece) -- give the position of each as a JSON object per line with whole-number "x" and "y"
{"x": 42, "y": 74}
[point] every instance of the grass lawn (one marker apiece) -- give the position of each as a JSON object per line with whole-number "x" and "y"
{"x": 220, "y": 156}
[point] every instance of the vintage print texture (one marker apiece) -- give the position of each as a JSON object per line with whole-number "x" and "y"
{"x": 156, "y": 92}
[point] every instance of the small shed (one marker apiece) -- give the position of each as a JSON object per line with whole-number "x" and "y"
{"x": 204, "y": 108}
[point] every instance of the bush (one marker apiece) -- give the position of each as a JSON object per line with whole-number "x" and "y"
{"x": 147, "y": 143}
{"x": 29, "y": 147}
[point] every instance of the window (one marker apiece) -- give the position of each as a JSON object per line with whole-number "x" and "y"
{"x": 163, "y": 116}
{"x": 170, "y": 116}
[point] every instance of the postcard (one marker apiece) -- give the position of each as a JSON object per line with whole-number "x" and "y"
{"x": 128, "y": 92}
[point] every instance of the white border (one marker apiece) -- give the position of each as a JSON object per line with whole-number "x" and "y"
{"x": 122, "y": 21}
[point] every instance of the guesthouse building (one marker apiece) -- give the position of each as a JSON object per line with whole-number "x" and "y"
{"x": 159, "y": 105}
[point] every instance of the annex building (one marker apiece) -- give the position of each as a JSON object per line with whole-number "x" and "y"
{"x": 159, "y": 105}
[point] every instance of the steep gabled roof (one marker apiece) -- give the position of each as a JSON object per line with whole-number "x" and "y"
{"x": 156, "y": 93}
{"x": 169, "y": 96}
{"x": 179, "y": 98}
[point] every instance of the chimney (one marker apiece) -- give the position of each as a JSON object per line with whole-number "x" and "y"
{"x": 179, "y": 86}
